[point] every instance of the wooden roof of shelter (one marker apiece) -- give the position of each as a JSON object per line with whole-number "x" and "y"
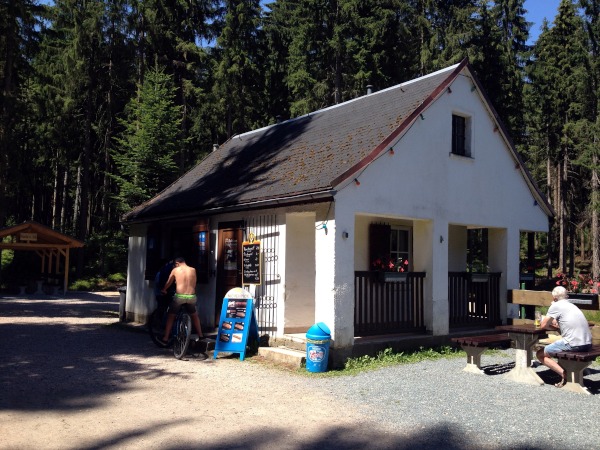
{"x": 35, "y": 236}
{"x": 50, "y": 245}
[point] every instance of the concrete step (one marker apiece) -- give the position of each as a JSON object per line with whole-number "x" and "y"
{"x": 293, "y": 341}
{"x": 283, "y": 355}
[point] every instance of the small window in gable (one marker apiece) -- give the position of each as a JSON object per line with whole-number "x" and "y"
{"x": 461, "y": 139}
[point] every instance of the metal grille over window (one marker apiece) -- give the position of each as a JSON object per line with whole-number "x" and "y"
{"x": 266, "y": 230}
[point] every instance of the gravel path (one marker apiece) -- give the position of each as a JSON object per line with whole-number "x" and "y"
{"x": 71, "y": 377}
{"x": 449, "y": 408}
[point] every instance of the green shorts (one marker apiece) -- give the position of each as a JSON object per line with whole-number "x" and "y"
{"x": 183, "y": 299}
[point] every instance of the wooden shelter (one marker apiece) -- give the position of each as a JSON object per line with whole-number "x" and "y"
{"x": 50, "y": 245}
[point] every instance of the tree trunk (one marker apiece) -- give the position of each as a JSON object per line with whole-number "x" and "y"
{"x": 77, "y": 201}
{"x": 7, "y": 102}
{"x": 63, "y": 209}
{"x": 84, "y": 222}
{"x": 552, "y": 199}
{"x": 594, "y": 212}
{"x": 562, "y": 245}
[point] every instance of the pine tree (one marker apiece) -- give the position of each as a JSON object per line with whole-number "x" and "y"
{"x": 509, "y": 16}
{"x": 167, "y": 33}
{"x": 73, "y": 66}
{"x": 238, "y": 82}
{"x": 381, "y": 49}
{"x": 587, "y": 132}
{"x": 446, "y": 31}
{"x": 558, "y": 75}
{"x": 145, "y": 155}
{"x": 19, "y": 25}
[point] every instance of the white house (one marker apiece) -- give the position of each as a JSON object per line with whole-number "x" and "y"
{"x": 403, "y": 173}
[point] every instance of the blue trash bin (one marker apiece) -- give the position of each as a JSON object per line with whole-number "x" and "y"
{"x": 318, "y": 338}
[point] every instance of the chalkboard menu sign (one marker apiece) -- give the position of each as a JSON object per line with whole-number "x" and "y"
{"x": 251, "y": 262}
{"x": 237, "y": 324}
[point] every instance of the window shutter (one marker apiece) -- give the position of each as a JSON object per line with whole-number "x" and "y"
{"x": 379, "y": 242}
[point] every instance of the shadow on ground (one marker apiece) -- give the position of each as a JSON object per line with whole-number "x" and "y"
{"x": 51, "y": 364}
{"x": 444, "y": 436}
{"x": 69, "y": 366}
{"x": 548, "y": 376}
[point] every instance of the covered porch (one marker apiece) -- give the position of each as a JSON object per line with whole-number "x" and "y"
{"x": 470, "y": 293}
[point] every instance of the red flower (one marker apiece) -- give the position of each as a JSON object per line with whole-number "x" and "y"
{"x": 579, "y": 283}
{"x": 390, "y": 265}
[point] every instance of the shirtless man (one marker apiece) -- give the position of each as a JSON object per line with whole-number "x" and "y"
{"x": 184, "y": 278}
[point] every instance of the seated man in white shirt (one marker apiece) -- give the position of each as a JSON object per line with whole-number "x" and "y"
{"x": 574, "y": 329}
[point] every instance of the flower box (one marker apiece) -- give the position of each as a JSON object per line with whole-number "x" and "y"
{"x": 393, "y": 277}
{"x": 480, "y": 277}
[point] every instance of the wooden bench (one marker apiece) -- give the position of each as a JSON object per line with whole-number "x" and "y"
{"x": 475, "y": 345}
{"x": 574, "y": 363}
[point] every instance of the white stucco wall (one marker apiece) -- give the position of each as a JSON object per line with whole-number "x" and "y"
{"x": 140, "y": 295}
{"x": 299, "y": 304}
{"x": 423, "y": 181}
{"x": 325, "y": 267}
{"x": 444, "y": 193}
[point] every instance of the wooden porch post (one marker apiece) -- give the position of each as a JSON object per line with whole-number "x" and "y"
{"x": 66, "y": 283}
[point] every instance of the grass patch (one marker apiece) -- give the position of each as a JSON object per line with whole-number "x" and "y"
{"x": 592, "y": 316}
{"x": 354, "y": 366}
{"x": 387, "y": 358}
{"x": 91, "y": 284}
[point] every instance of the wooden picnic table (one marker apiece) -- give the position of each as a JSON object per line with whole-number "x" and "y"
{"x": 524, "y": 338}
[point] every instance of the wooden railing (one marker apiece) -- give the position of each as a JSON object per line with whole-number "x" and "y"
{"x": 397, "y": 307}
{"x": 388, "y": 307}
{"x": 473, "y": 301}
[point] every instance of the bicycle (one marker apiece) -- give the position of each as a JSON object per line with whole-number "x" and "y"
{"x": 181, "y": 332}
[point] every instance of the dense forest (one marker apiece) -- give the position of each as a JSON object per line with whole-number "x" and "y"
{"x": 105, "y": 102}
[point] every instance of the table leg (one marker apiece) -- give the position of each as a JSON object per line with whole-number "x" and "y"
{"x": 574, "y": 370}
{"x": 522, "y": 372}
{"x": 473, "y": 358}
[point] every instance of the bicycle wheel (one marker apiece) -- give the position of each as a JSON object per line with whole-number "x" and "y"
{"x": 183, "y": 331}
{"x": 156, "y": 327}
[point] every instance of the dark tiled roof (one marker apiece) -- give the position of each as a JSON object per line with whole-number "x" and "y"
{"x": 302, "y": 156}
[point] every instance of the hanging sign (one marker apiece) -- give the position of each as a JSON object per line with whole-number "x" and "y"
{"x": 251, "y": 261}
{"x": 28, "y": 237}
{"x": 237, "y": 326}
